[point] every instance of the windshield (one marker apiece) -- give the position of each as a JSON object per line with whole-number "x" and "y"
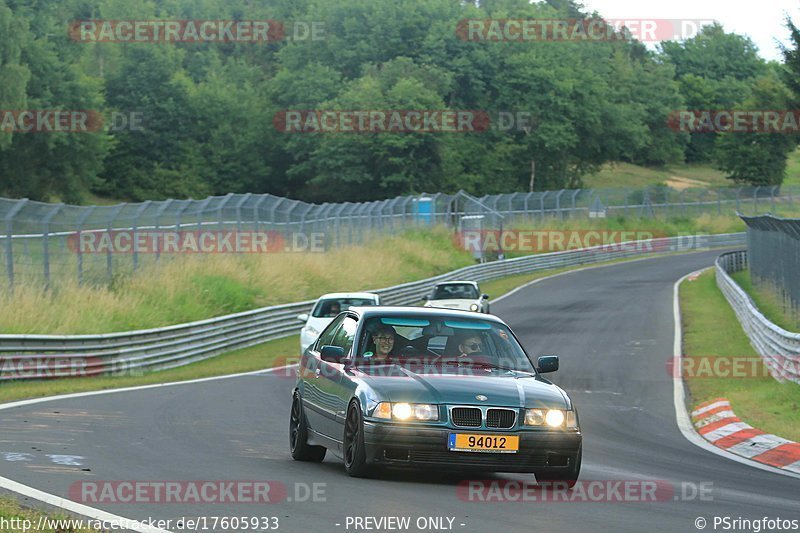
{"x": 441, "y": 341}
{"x": 331, "y": 307}
{"x": 455, "y": 291}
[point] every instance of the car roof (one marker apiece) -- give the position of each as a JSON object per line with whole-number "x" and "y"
{"x": 364, "y": 295}
{"x": 475, "y": 283}
{"x": 421, "y": 312}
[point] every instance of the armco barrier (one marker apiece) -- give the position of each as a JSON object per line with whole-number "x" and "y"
{"x": 38, "y": 356}
{"x": 780, "y": 349}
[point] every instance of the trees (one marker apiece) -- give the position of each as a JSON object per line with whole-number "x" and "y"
{"x": 715, "y": 70}
{"x": 36, "y": 76}
{"x": 208, "y": 108}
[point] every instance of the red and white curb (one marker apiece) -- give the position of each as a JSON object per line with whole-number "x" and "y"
{"x": 716, "y": 422}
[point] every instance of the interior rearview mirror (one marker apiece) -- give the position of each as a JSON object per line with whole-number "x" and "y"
{"x": 547, "y": 363}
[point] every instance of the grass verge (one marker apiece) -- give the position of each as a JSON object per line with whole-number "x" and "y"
{"x": 711, "y": 329}
{"x": 28, "y": 519}
{"x": 768, "y": 302}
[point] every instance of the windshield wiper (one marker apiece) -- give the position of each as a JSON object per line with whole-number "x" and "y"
{"x": 487, "y": 365}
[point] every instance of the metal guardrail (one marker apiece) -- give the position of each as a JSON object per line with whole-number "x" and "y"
{"x": 780, "y": 349}
{"x": 41, "y": 356}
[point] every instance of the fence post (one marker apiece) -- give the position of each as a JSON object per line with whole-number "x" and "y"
{"x": 772, "y": 198}
{"x": 109, "y": 258}
{"x": 142, "y": 209}
{"x": 256, "y": 209}
{"x": 9, "y": 219}
{"x": 160, "y": 212}
{"x": 222, "y": 204}
{"x": 541, "y": 203}
{"x": 287, "y": 232}
{"x": 558, "y": 204}
{"x": 755, "y": 199}
{"x": 239, "y": 205}
{"x": 46, "y": 242}
{"x": 78, "y": 247}
{"x": 574, "y": 205}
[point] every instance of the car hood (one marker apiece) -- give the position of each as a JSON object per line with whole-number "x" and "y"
{"x": 397, "y": 383}
{"x": 453, "y": 304}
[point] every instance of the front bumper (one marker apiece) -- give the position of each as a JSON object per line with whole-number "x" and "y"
{"x": 539, "y": 451}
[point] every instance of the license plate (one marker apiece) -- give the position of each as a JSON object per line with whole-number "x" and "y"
{"x": 467, "y": 442}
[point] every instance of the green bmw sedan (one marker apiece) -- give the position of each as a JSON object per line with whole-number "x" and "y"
{"x": 431, "y": 388}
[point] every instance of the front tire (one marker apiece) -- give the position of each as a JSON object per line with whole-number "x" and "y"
{"x": 298, "y": 435}
{"x": 355, "y": 453}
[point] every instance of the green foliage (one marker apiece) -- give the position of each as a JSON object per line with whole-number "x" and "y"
{"x": 716, "y": 71}
{"x": 207, "y": 109}
{"x": 757, "y": 158}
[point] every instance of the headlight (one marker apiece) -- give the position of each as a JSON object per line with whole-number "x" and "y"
{"x": 407, "y": 411}
{"x": 554, "y": 418}
{"x": 474, "y": 307}
{"x": 311, "y": 330}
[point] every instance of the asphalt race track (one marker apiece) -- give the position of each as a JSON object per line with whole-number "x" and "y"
{"x": 612, "y": 328}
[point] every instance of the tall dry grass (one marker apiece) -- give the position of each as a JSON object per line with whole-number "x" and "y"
{"x": 197, "y": 287}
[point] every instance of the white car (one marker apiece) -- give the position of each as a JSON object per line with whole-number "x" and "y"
{"x": 326, "y": 309}
{"x": 464, "y": 295}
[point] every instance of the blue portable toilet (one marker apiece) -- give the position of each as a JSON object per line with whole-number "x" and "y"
{"x": 424, "y": 210}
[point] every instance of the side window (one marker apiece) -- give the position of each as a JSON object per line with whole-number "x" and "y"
{"x": 346, "y": 334}
{"x": 326, "y": 337}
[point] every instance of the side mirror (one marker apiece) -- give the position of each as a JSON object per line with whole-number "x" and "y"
{"x": 303, "y": 317}
{"x": 332, "y": 354}
{"x": 547, "y": 363}
{"x": 485, "y": 296}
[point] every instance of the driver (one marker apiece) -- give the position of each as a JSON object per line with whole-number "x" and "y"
{"x": 334, "y": 309}
{"x": 469, "y": 345}
{"x": 384, "y": 338}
